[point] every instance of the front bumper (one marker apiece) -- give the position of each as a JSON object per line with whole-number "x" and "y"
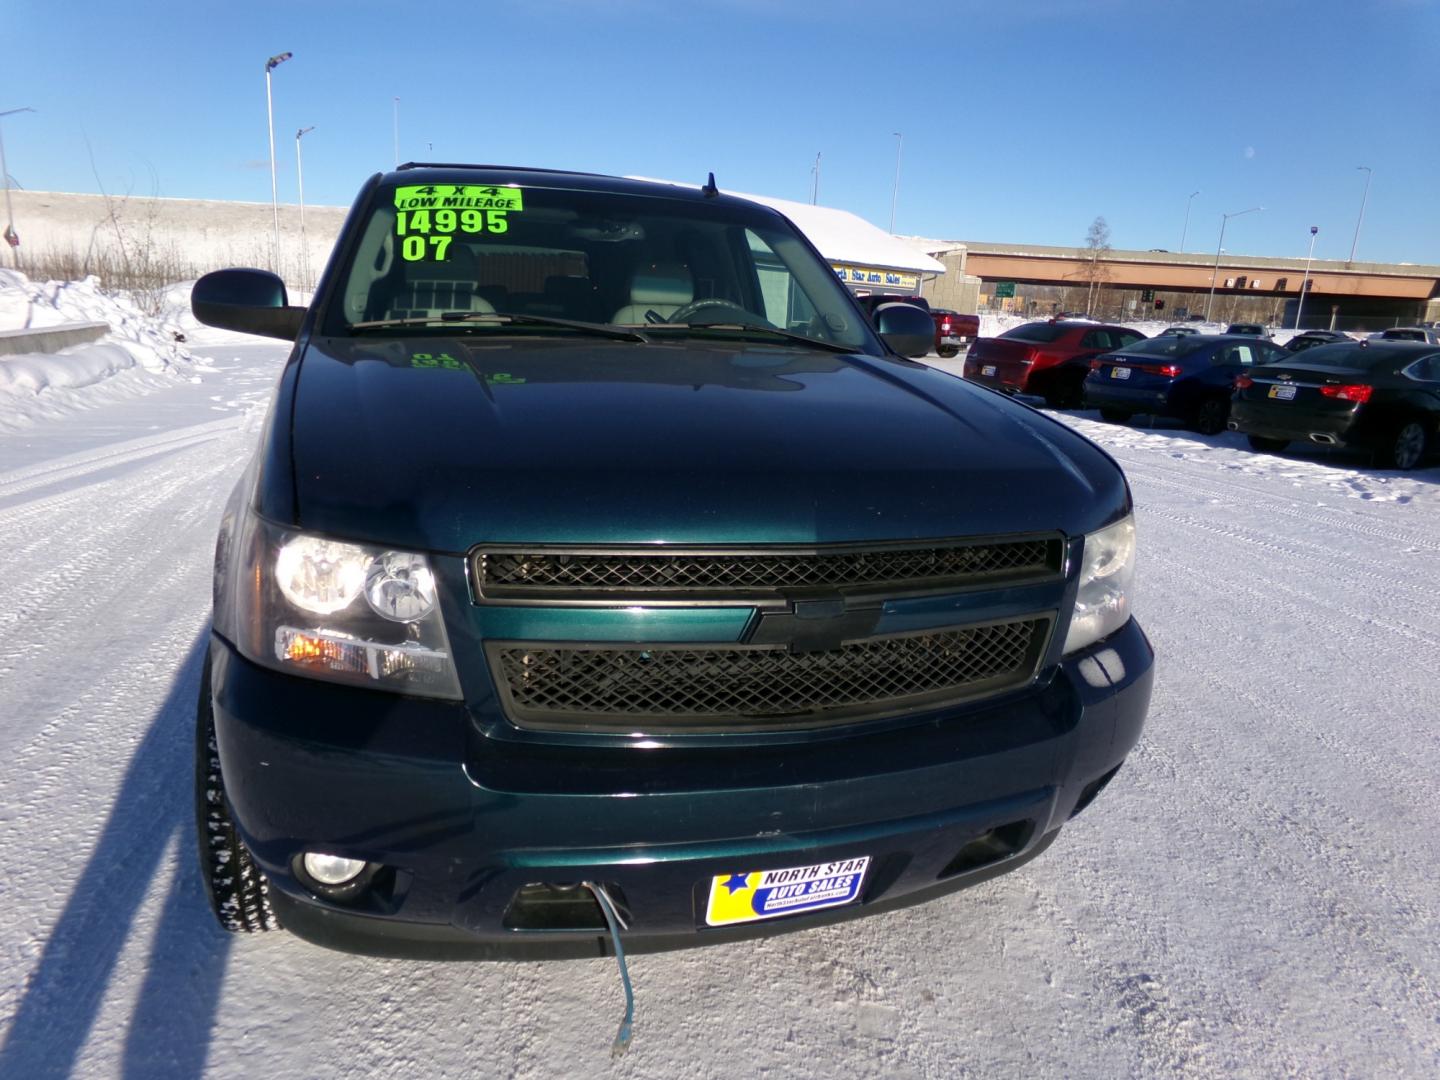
{"x": 463, "y": 823}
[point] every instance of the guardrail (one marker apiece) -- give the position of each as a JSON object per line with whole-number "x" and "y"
{"x": 49, "y": 339}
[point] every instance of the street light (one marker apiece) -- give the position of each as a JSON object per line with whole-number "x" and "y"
{"x": 12, "y": 238}
{"x": 815, "y": 180}
{"x": 1186, "y": 229}
{"x": 1369, "y": 174}
{"x": 270, "y": 65}
{"x": 300, "y": 177}
{"x": 895, "y": 191}
{"x": 1304, "y": 284}
{"x": 1224, "y": 220}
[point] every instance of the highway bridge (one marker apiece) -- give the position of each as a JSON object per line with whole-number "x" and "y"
{"x": 1353, "y": 294}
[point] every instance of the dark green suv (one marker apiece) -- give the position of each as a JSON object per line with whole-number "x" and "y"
{"x": 599, "y": 558}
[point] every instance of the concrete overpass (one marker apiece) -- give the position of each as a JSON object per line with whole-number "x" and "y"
{"x": 1381, "y": 292}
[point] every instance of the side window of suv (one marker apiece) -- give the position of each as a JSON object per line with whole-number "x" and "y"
{"x": 1097, "y": 339}
{"x": 1126, "y": 338}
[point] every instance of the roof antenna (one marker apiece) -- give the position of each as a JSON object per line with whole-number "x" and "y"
{"x": 710, "y": 190}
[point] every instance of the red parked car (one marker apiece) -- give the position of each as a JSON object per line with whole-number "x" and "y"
{"x": 1048, "y": 358}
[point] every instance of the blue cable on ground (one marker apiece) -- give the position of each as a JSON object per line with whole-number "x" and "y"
{"x": 613, "y": 921}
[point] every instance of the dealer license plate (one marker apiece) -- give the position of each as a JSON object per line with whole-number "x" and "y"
{"x": 769, "y": 894}
{"x": 1119, "y": 373}
{"x": 988, "y": 369}
{"x": 1282, "y": 392}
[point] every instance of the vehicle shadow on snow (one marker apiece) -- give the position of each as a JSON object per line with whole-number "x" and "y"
{"x": 1427, "y": 471}
{"x": 150, "y": 833}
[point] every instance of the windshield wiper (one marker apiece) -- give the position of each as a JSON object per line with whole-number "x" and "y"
{"x": 757, "y": 328}
{"x": 496, "y": 318}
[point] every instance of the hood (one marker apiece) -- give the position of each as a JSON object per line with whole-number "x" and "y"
{"x": 441, "y": 444}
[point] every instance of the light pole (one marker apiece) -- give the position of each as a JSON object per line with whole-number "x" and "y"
{"x": 1305, "y": 284}
{"x": 270, "y": 65}
{"x": 397, "y": 132}
{"x": 300, "y": 178}
{"x": 815, "y": 180}
{"x": 1186, "y": 229}
{"x": 12, "y": 238}
{"x": 1224, "y": 220}
{"x": 1369, "y": 173}
{"x": 895, "y": 191}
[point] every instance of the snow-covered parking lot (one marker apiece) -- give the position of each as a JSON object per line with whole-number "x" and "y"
{"x": 1255, "y": 895}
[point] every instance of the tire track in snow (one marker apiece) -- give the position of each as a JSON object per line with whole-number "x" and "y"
{"x": 1390, "y": 585}
{"x": 1322, "y": 518}
{"x": 103, "y": 531}
{"x": 76, "y": 465}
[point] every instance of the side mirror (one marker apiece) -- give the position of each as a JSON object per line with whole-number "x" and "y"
{"x": 251, "y": 301}
{"x": 907, "y": 329}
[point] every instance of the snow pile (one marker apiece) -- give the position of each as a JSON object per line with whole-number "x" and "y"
{"x": 139, "y": 354}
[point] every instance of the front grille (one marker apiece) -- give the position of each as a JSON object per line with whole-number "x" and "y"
{"x": 689, "y": 688}
{"x": 549, "y": 573}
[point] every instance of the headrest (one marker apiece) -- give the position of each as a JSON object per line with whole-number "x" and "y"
{"x": 459, "y": 265}
{"x": 662, "y": 283}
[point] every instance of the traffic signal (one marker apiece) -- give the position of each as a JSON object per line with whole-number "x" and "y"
{"x": 1159, "y": 305}
{"x": 1146, "y": 295}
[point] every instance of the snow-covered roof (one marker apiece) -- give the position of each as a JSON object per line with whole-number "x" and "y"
{"x": 841, "y": 236}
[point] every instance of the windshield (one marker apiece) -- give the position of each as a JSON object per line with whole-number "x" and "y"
{"x": 453, "y": 253}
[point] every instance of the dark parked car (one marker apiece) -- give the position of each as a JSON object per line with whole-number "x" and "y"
{"x": 1381, "y": 396}
{"x": 1178, "y": 331}
{"x": 1189, "y": 377}
{"x": 1311, "y": 338}
{"x": 603, "y": 574}
{"x": 1048, "y": 358}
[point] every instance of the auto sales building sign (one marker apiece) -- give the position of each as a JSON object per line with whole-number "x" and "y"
{"x": 873, "y": 276}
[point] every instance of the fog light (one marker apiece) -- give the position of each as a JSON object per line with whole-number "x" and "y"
{"x": 332, "y": 869}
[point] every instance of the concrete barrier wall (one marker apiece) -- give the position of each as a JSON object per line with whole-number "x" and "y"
{"x": 51, "y": 338}
{"x": 192, "y": 235}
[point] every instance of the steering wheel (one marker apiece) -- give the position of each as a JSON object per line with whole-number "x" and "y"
{"x": 720, "y": 311}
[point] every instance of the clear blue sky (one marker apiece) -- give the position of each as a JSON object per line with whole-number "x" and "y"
{"x": 1022, "y": 121}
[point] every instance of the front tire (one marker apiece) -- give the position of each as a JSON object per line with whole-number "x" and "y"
{"x": 1404, "y": 449}
{"x": 238, "y": 892}
{"x": 949, "y": 351}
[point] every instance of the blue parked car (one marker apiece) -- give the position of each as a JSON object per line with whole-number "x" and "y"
{"x": 604, "y": 574}
{"x": 1189, "y": 377}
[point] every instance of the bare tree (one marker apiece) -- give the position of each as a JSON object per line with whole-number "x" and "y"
{"x": 1097, "y": 246}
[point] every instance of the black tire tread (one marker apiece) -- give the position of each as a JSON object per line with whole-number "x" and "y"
{"x": 238, "y": 892}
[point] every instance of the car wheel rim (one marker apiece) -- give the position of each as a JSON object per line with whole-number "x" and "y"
{"x": 1408, "y": 445}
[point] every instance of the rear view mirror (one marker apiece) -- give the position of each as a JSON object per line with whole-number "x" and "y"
{"x": 251, "y": 301}
{"x": 907, "y": 329}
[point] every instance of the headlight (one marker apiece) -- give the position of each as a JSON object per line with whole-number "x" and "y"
{"x": 338, "y": 611}
{"x": 1107, "y": 571}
